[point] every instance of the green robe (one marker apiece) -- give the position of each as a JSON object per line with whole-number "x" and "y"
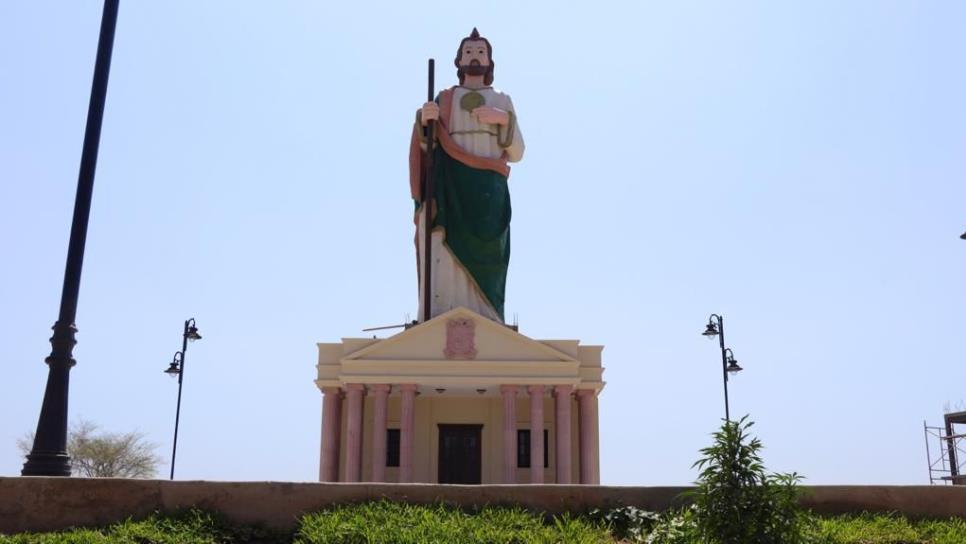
{"x": 473, "y": 208}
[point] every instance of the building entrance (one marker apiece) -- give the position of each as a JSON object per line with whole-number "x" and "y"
{"x": 460, "y": 459}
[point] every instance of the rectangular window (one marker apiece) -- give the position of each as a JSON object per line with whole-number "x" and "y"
{"x": 523, "y": 448}
{"x": 392, "y": 447}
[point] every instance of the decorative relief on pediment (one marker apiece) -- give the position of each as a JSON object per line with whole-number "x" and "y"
{"x": 460, "y": 339}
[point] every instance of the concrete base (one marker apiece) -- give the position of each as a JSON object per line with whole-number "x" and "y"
{"x": 46, "y": 504}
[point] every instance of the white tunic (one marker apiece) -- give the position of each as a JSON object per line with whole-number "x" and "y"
{"x": 451, "y": 285}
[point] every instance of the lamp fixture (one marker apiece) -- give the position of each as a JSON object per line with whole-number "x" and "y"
{"x": 733, "y": 366}
{"x": 192, "y": 331}
{"x": 174, "y": 369}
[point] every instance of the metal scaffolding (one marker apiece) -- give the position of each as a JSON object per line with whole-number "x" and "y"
{"x": 946, "y": 451}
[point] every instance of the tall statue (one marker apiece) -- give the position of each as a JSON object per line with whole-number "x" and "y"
{"x": 476, "y": 135}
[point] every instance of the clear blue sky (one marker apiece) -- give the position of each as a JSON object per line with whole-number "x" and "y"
{"x": 798, "y": 167}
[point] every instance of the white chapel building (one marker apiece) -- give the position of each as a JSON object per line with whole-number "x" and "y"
{"x": 460, "y": 399}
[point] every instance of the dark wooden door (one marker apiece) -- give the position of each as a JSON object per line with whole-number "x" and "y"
{"x": 460, "y": 454}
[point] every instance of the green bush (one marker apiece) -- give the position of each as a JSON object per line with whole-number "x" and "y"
{"x": 737, "y": 502}
{"x": 674, "y": 527}
{"x": 626, "y": 522}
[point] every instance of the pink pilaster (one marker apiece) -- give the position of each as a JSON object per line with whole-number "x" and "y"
{"x": 589, "y": 437}
{"x": 509, "y": 433}
{"x": 562, "y": 431}
{"x": 407, "y": 431}
{"x": 379, "y": 410}
{"x": 331, "y": 431}
{"x": 353, "y": 449}
{"x": 536, "y": 434}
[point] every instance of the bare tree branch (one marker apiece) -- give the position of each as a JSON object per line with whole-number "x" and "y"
{"x": 97, "y": 454}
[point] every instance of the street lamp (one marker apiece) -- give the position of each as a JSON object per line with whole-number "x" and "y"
{"x": 176, "y": 369}
{"x": 962, "y": 236}
{"x": 48, "y": 455}
{"x": 729, "y": 365}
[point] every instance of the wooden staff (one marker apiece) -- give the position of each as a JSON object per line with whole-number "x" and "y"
{"x": 428, "y": 199}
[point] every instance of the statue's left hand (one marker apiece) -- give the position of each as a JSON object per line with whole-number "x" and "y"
{"x": 492, "y": 116}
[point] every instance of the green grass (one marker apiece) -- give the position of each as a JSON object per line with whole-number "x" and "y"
{"x": 186, "y": 527}
{"x": 890, "y": 529}
{"x": 400, "y": 523}
{"x": 369, "y": 523}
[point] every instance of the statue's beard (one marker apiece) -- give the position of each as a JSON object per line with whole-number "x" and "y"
{"x": 475, "y": 69}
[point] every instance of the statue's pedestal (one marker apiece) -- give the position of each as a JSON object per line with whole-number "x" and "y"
{"x": 456, "y": 400}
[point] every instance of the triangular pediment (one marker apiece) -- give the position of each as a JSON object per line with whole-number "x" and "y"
{"x": 491, "y": 341}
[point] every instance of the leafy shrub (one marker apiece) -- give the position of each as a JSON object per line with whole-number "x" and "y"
{"x": 626, "y": 522}
{"x": 737, "y": 502}
{"x": 674, "y": 527}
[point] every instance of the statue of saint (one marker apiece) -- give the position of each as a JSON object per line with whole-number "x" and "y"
{"x": 476, "y": 136}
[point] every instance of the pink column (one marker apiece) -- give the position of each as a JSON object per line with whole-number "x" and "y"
{"x": 562, "y": 430}
{"x": 509, "y": 433}
{"x": 589, "y": 437}
{"x": 331, "y": 431}
{"x": 353, "y": 446}
{"x": 407, "y": 432}
{"x": 379, "y": 410}
{"x": 536, "y": 434}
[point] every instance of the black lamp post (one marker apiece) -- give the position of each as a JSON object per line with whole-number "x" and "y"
{"x": 176, "y": 369}
{"x": 729, "y": 365}
{"x": 48, "y": 456}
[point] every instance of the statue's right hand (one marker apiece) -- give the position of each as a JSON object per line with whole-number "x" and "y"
{"x": 429, "y": 112}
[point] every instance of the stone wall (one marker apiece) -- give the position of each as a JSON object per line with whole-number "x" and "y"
{"x": 44, "y": 504}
